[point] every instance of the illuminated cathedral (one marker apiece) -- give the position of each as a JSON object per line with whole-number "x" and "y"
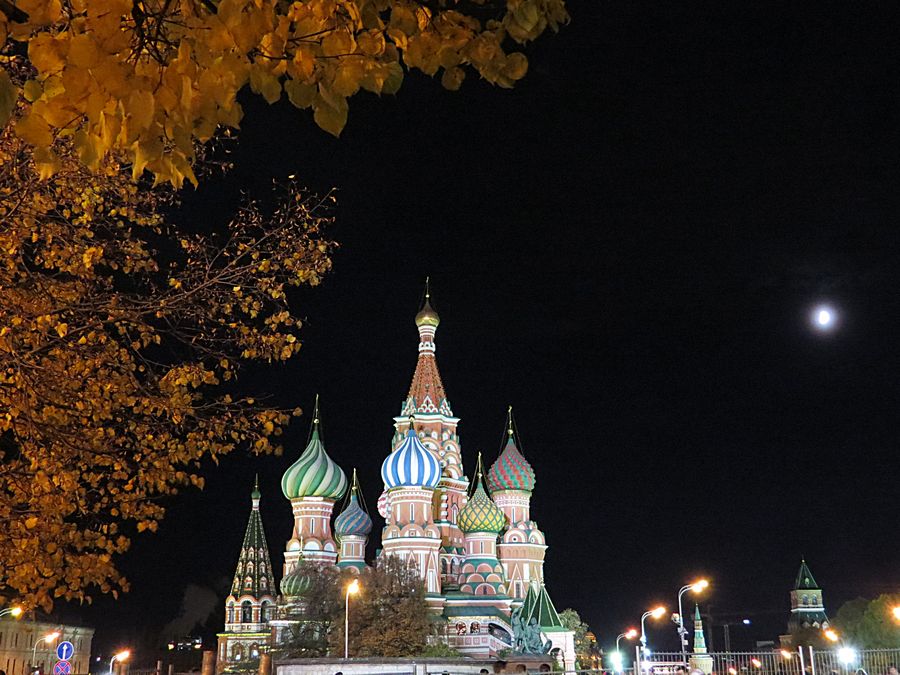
{"x": 472, "y": 541}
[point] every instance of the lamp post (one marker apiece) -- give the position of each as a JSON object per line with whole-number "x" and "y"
{"x": 616, "y": 656}
{"x": 121, "y": 656}
{"x": 48, "y": 637}
{"x": 655, "y": 613}
{"x": 352, "y": 589}
{"x": 697, "y": 587}
{"x": 13, "y": 611}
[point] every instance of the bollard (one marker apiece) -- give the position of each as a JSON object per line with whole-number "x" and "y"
{"x": 265, "y": 664}
{"x": 209, "y": 663}
{"x": 171, "y": 669}
{"x": 159, "y": 668}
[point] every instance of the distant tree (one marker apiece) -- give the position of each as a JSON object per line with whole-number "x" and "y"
{"x": 318, "y": 612}
{"x": 870, "y": 624}
{"x": 584, "y": 647}
{"x": 389, "y": 616}
{"x": 118, "y": 335}
{"x": 147, "y": 78}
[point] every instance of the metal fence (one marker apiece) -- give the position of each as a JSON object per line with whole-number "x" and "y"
{"x": 800, "y": 661}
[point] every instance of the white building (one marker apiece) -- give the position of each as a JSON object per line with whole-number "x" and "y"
{"x": 18, "y": 648}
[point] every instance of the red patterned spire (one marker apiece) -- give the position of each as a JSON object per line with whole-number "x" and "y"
{"x": 426, "y": 393}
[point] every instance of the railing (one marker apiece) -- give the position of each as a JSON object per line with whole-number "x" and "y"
{"x": 799, "y": 661}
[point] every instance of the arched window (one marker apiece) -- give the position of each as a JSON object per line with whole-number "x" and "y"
{"x": 805, "y": 599}
{"x": 237, "y": 652}
{"x": 246, "y": 612}
{"x": 231, "y": 613}
{"x": 254, "y": 651}
{"x": 264, "y": 612}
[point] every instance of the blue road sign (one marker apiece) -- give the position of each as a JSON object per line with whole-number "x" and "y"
{"x": 62, "y": 668}
{"x": 65, "y": 650}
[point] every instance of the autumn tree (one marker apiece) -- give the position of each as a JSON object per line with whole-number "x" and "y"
{"x": 119, "y": 336}
{"x": 585, "y": 648}
{"x": 149, "y": 77}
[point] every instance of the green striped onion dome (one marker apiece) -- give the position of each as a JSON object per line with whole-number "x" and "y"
{"x": 295, "y": 584}
{"x": 511, "y": 471}
{"x": 315, "y": 474}
{"x": 481, "y": 514}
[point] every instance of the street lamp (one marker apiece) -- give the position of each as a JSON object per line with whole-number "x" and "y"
{"x": 896, "y": 612}
{"x": 616, "y": 656}
{"x": 13, "y": 611}
{"x": 47, "y": 638}
{"x": 121, "y": 656}
{"x": 831, "y": 635}
{"x": 656, "y": 614}
{"x": 697, "y": 587}
{"x": 352, "y": 589}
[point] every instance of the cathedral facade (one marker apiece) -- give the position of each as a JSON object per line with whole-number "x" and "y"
{"x": 473, "y": 541}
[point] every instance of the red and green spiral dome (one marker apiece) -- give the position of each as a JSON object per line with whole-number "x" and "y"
{"x": 511, "y": 471}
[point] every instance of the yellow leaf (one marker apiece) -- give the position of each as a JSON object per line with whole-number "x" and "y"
{"x": 301, "y": 95}
{"x": 8, "y": 95}
{"x": 62, "y": 329}
{"x": 34, "y": 129}
{"x": 33, "y": 90}
{"x": 82, "y": 51}
{"x": 264, "y": 82}
{"x": 31, "y": 522}
{"x": 45, "y": 53}
{"x": 330, "y": 118}
{"x": 453, "y": 77}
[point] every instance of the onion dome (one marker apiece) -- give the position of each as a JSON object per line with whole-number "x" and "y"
{"x": 314, "y": 474}
{"x": 511, "y": 471}
{"x": 411, "y": 465}
{"x": 353, "y": 520}
{"x": 295, "y": 584}
{"x": 427, "y": 316}
{"x": 384, "y": 507}
{"x": 480, "y": 514}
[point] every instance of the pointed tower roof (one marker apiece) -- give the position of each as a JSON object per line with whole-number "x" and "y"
{"x": 426, "y": 393}
{"x": 699, "y": 638}
{"x": 314, "y": 474}
{"x": 541, "y": 608}
{"x": 805, "y": 580}
{"x": 253, "y": 575}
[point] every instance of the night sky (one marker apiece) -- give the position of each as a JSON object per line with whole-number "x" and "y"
{"x": 626, "y": 248}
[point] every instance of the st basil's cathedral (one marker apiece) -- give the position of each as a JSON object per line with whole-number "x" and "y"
{"x": 479, "y": 553}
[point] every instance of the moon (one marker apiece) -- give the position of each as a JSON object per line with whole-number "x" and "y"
{"x": 824, "y": 318}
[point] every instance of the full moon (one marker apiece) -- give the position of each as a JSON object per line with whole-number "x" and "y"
{"x": 824, "y": 318}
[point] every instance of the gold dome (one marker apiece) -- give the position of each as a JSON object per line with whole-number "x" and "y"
{"x": 427, "y": 316}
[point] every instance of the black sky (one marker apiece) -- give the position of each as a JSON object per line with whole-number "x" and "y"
{"x": 625, "y": 248}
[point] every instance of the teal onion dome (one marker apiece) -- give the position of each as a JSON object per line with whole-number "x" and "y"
{"x": 511, "y": 471}
{"x": 411, "y": 465}
{"x": 353, "y": 520}
{"x": 481, "y": 514}
{"x": 314, "y": 474}
{"x": 295, "y": 584}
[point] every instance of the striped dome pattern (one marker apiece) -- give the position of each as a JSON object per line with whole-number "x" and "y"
{"x": 411, "y": 465}
{"x": 295, "y": 584}
{"x": 481, "y": 514}
{"x": 353, "y": 520}
{"x": 511, "y": 471}
{"x": 314, "y": 474}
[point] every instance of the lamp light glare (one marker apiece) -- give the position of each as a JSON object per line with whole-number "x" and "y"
{"x": 631, "y": 634}
{"x": 831, "y": 635}
{"x": 700, "y": 585}
{"x": 896, "y": 612}
{"x": 786, "y": 654}
{"x": 824, "y": 318}
{"x": 658, "y": 612}
{"x": 746, "y": 622}
{"x": 16, "y": 612}
{"x": 122, "y": 656}
{"x": 847, "y": 655}
{"x": 353, "y": 588}
{"x": 616, "y": 660}
{"x": 756, "y": 663}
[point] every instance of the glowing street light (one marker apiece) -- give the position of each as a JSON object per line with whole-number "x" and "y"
{"x": 616, "y": 656}
{"x": 352, "y": 589}
{"x": 15, "y": 612}
{"x": 655, "y": 613}
{"x": 847, "y": 655}
{"x": 121, "y": 656}
{"x": 786, "y": 654}
{"x": 824, "y": 318}
{"x": 697, "y": 587}
{"x": 832, "y": 635}
{"x": 47, "y": 638}
{"x": 896, "y": 612}
{"x": 756, "y": 663}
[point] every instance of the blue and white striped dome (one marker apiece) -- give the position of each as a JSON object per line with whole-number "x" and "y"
{"x": 411, "y": 465}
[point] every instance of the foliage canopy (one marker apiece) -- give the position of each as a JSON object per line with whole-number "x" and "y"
{"x": 870, "y": 624}
{"x": 117, "y": 334}
{"x": 149, "y": 77}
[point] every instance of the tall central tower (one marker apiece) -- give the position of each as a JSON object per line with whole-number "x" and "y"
{"x": 428, "y": 411}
